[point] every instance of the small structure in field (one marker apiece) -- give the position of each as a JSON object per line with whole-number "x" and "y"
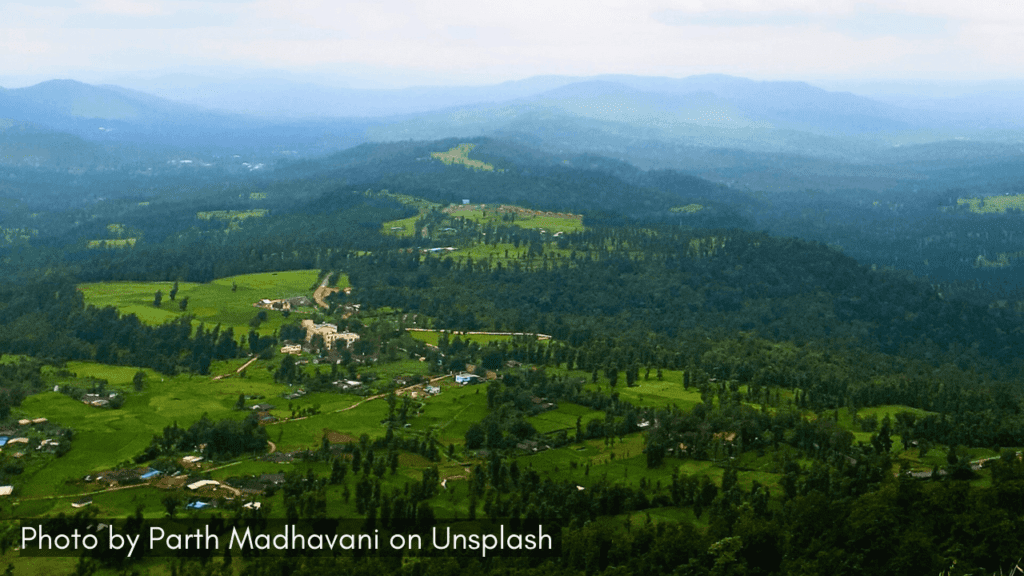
{"x": 466, "y": 378}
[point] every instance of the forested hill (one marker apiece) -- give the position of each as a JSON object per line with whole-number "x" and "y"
{"x": 627, "y": 285}
{"x": 514, "y": 173}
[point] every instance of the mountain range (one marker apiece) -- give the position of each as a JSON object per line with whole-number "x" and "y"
{"x": 728, "y": 129}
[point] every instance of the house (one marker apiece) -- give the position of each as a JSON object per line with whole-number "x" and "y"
{"x": 465, "y": 378}
{"x": 272, "y": 479}
{"x": 82, "y": 503}
{"x": 150, "y": 474}
{"x": 39, "y": 421}
{"x": 6, "y": 490}
{"x": 299, "y": 301}
{"x": 192, "y": 459}
{"x": 291, "y": 349}
{"x": 262, "y": 407}
{"x": 432, "y": 389}
{"x": 251, "y": 505}
{"x": 725, "y": 436}
{"x": 48, "y": 444}
{"x": 347, "y": 384}
{"x": 527, "y": 446}
{"x": 95, "y": 400}
{"x": 201, "y": 483}
{"x": 198, "y": 505}
{"x": 329, "y": 333}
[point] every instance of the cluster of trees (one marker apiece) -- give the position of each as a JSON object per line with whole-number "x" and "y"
{"x": 47, "y": 318}
{"x": 223, "y": 439}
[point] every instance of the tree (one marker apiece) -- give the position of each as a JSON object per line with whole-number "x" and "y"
{"x": 174, "y": 291}
{"x": 183, "y": 304}
{"x": 157, "y": 298}
{"x": 139, "y": 381}
{"x": 240, "y": 405}
{"x": 474, "y": 437}
{"x": 171, "y": 503}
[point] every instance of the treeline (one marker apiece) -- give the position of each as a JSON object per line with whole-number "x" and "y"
{"x": 47, "y": 318}
{"x": 676, "y": 281}
{"x": 221, "y": 440}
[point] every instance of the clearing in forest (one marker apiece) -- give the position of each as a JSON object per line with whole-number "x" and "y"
{"x": 460, "y": 155}
{"x": 226, "y": 301}
{"x": 993, "y": 204}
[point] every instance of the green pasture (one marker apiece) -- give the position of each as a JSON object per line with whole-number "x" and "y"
{"x": 228, "y": 215}
{"x": 300, "y": 434}
{"x": 551, "y": 224}
{"x": 213, "y": 303}
{"x": 404, "y": 227}
{"x": 106, "y": 438}
{"x": 564, "y": 418}
{"x": 688, "y": 209}
{"x": 460, "y": 155}
{"x": 653, "y": 393}
{"x": 451, "y": 412}
{"x": 993, "y": 204}
{"x": 433, "y": 336}
{"x": 507, "y": 254}
{"x": 112, "y": 243}
{"x": 41, "y": 566}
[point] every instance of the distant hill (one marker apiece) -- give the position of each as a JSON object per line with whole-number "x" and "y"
{"x": 731, "y": 130}
{"x": 27, "y": 144}
{"x": 111, "y": 114}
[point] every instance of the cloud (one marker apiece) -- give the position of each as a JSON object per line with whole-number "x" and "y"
{"x": 174, "y": 20}
{"x": 729, "y": 19}
{"x": 452, "y": 39}
{"x": 860, "y": 23}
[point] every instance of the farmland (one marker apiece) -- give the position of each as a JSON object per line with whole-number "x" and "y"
{"x": 226, "y": 301}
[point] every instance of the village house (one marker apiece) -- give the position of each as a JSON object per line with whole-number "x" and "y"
{"x": 466, "y": 378}
{"x": 329, "y": 333}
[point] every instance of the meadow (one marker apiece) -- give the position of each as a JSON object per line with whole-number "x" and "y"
{"x": 460, "y": 155}
{"x": 522, "y": 217}
{"x": 225, "y": 301}
{"x": 993, "y": 204}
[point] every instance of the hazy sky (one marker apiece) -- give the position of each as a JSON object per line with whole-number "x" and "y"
{"x": 394, "y": 43}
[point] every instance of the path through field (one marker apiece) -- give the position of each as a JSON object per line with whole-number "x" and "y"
{"x": 323, "y": 291}
{"x": 239, "y": 371}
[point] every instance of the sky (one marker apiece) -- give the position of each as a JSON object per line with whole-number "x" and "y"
{"x": 394, "y": 43}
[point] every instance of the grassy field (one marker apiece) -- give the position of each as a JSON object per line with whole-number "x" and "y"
{"x": 212, "y": 303}
{"x": 227, "y": 215}
{"x": 460, "y": 155}
{"x": 450, "y": 413}
{"x": 522, "y": 217}
{"x": 993, "y": 204}
{"x": 105, "y": 438}
{"x": 433, "y": 336}
{"x": 564, "y": 418}
{"x": 405, "y": 227}
{"x": 115, "y": 243}
{"x": 688, "y": 209}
